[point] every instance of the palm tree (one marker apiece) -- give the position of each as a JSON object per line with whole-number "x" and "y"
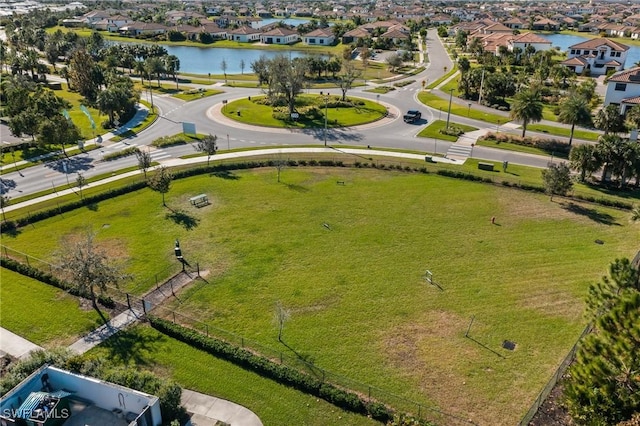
{"x": 609, "y": 119}
{"x": 633, "y": 117}
{"x": 527, "y": 107}
{"x": 575, "y": 110}
{"x": 583, "y": 159}
{"x": 635, "y": 213}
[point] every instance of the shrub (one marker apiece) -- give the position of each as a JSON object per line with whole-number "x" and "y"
{"x": 179, "y": 139}
{"x": 124, "y": 153}
{"x": 281, "y": 373}
{"x": 44, "y": 277}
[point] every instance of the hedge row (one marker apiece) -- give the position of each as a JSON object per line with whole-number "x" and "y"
{"x": 10, "y": 225}
{"x": 47, "y": 278}
{"x": 281, "y": 373}
{"x": 124, "y": 153}
{"x": 45, "y": 214}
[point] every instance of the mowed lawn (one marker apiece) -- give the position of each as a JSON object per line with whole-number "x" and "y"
{"x": 41, "y": 313}
{"x": 355, "y": 289}
{"x": 194, "y": 369}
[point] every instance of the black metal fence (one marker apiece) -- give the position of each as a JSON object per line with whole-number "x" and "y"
{"x": 562, "y": 368}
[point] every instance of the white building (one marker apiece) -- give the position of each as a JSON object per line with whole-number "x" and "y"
{"x": 623, "y": 89}
{"x": 528, "y": 39}
{"x": 51, "y": 395}
{"x": 319, "y": 37}
{"x": 598, "y": 55}
{"x": 280, "y": 36}
{"x": 244, "y": 34}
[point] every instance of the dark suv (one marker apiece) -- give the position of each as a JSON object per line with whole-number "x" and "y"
{"x": 412, "y": 116}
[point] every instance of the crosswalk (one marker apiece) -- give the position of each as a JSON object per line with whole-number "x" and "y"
{"x": 157, "y": 154}
{"x": 459, "y": 152}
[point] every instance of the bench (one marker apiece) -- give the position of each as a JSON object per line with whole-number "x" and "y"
{"x": 199, "y": 200}
{"x": 485, "y": 166}
{"x": 340, "y": 182}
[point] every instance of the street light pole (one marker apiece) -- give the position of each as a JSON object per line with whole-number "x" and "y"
{"x": 326, "y": 108}
{"x": 469, "y": 109}
{"x": 449, "y": 112}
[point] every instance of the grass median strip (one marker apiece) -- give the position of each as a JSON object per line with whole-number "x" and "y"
{"x": 436, "y": 102}
{"x": 434, "y": 129}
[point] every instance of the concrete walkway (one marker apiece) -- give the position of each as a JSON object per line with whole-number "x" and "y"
{"x": 15, "y": 345}
{"x": 206, "y": 409}
{"x": 105, "y": 331}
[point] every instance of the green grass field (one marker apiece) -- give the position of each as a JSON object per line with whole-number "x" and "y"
{"x": 359, "y": 304}
{"x": 190, "y": 95}
{"x": 434, "y": 101}
{"x": 275, "y": 404}
{"x": 43, "y": 314}
{"x": 251, "y": 112}
{"x": 561, "y": 131}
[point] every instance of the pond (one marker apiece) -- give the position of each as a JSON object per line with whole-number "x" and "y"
{"x": 565, "y": 40}
{"x": 204, "y": 60}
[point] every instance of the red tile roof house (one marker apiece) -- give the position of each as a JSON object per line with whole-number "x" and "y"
{"x": 244, "y": 34}
{"x": 319, "y": 37}
{"x": 279, "y": 36}
{"x": 598, "y": 55}
{"x": 623, "y": 89}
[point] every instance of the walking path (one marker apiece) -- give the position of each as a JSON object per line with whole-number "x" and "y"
{"x": 206, "y": 410}
{"x": 15, "y": 345}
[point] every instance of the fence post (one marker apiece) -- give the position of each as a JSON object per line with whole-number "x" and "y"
{"x": 144, "y": 307}
{"x": 26, "y": 256}
{"x": 207, "y": 328}
{"x": 369, "y": 392}
{"x": 198, "y": 267}
{"x": 174, "y": 316}
{"x": 128, "y": 301}
{"x": 242, "y": 343}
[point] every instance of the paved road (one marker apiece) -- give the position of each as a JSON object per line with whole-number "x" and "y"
{"x": 393, "y": 133}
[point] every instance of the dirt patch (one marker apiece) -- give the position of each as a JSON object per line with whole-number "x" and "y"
{"x": 556, "y": 304}
{"x": 410, "y": 349}
{"x": 521, "y": 205}
{"x": 552, "y": 412}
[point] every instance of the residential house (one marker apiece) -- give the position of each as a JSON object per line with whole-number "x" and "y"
{"x": 515, "y": 23}
{"x": 319, "y": 37}
{"x": 395, "y": 34}
{"x": 214, "y": 30}
{"x": 525, "y": 40}
{"x": 623, "y": 89}
{"x": 280, "y": 36}
{"x": 598, "y": 55}
{"x": 545, "y": 24}
{"x": 112, "y": 23}
{"x": 143, "y": 28}
{"x": 355, "y": 35}
{"x": 244, "y": 34}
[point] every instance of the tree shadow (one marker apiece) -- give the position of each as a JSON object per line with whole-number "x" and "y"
{"x": 334, "y": 135}
{"x": 225, "y": 174}
{"x": 306, "y": 360}
{"x": 7, "y": 185}
{"x": 297, "y": 188}
{"x": 73, "y": 164}
{"x": 593, "y": 214}
{"x": 486, "y": 347}
{"x": 183, "y": 219}
{"x": 127, "y": 345}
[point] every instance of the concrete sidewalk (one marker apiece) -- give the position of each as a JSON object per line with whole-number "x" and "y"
{"x": 206, "y": 409}
{"x": 140, "y": 115}
{"x": 105, "y": 331}
{"x": 171, "y": 162}
{"x": 15, "y": 345}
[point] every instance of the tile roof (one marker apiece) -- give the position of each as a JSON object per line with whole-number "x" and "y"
{"x": 594, "y": 43}
{"x": 631, "y": 75}
{"x": 577, "y": 61}
{"x": 530, "y": 38}
{"x": 634, "y": 100}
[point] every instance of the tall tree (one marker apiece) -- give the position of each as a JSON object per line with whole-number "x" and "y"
{"x": 85, "y": 74}
{"x": 394, "y": 61}
{"x": 144, "y": 160}
{"x": 5, "y": 200}
{"x": 527, "y": 107}
{"x": 603, "y": 386}
{"x": 557, "y": 179}
{"x": 58, "y": 131}
{"x": 161, "y": 182}
{"x": 87, "y": 266}
{"x": 209, "y": 145}
{"x": 242, "y": 65}
{"x": 154, "y": 66}
{"x": 609, "y": 120}
{"x": 287, "y": 78}
{"x": 348, "y": 76}
{"x": 223, "y": 67}
{"x": 574, "y": 110}
{"x": 583, "y": 159}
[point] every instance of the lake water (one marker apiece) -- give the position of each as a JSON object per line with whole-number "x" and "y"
{"x": 565, "y": 40}
{"x": 204, "y": 60}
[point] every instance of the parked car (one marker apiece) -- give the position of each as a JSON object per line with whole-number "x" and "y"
{"x": 412, "y": 116}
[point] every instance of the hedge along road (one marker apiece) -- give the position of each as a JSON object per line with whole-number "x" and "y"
{"x": 389, "y": 132}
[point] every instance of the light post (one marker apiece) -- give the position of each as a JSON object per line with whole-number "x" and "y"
{"x": 468, "y": 109}
{"x": 449, "y": 112}
{"x": 378, "y": 98}
{"x": 228, "y": 144}
{"x": 175, "y": 72}
{"x": 326, "y": 109}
